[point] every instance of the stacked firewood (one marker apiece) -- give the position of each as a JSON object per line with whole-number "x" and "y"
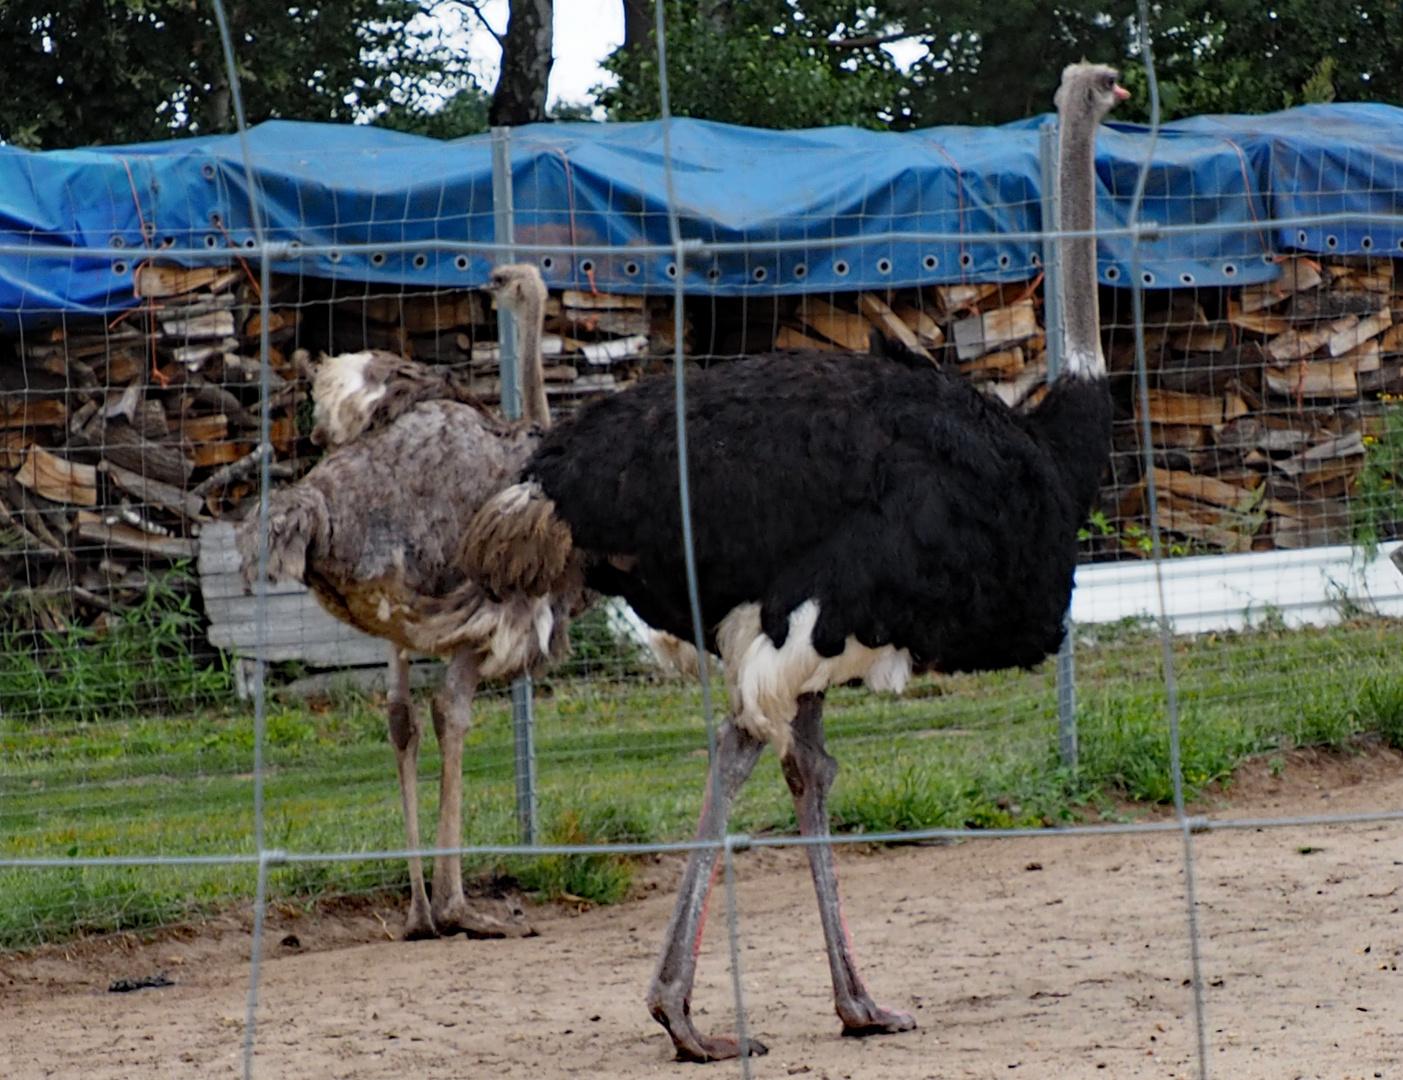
{"x": 119, "y": 437}
{"x": 593, "y": 342}
{"x": 1260, "y": 412}
{"x": 1261, "y": 405}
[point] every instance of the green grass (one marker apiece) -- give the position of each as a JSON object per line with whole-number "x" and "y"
{"x": 625, "y": 760}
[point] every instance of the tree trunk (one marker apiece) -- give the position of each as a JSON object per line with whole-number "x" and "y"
{"x": 520, "y": 97}
{"x": 639, "y": 23}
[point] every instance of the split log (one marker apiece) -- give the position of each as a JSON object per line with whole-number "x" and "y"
{"x": 885, "y": 320}
{"x": 217, "y": 324}
{"x": 953, "y": 299}
{"x": 121, "y": 368}
{"x": 790, "y": 338}
{"x": 34, "y": 413}
{"x": 1388, "y": 379}
{"x": 1182, "y": 436}
{"x": 278, "y": 319}
{"x": 1168, "y": 407}
{"x": 488, "y": 354}
{"x": 1257, "y": 322}
{"x": 1216, "y": 527}
{"x": 160, "y": 280}
{"x": 1297, "y": 275}
{"x": 573, "y": 322}
{"x": 596, "y": 301}
{"x": 442, "y": 311}
{"x": 1015, "y": 393}
{"x": 991, "y": 331}
{"x": 210, "y": 454}
{"x": 14, "y": 445}
{"x": 1345, "y": 446}
{"x": 57, "y": 479}
{"x": 195, "y": 357}
{"x": 93, "y": 529}
{"x": 229, "y": 474}
{"x": 201, "y": 429}
{"x": 147, "y": 490}
{"x": 1207, "y": 489}
{"x": 1315, "y": 379}
{"x": 203, "y": 304}
{"x": 1324, "y": 304}
{"x": 1365, "y": 357}
{"x": 1004, "y": 364}
{"x": 926, "y": 329}
{"x": 1350, "y": 333}
{"x": 844, "y": 328}
{"x": 127, "y": 448}
{"x": 1290, "y": 534}
{"x": 608, "y": 352}
{"x": 1298, "y": 344}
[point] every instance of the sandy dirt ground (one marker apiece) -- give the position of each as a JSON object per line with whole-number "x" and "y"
{"x": 1050, "y": 958}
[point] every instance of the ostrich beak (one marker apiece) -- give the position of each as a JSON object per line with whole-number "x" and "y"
{"x": 1120, "y": 92}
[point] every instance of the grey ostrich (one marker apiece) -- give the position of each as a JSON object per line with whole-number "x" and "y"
{"x": 374, "y": 531}
{"x": 856, "y": 517}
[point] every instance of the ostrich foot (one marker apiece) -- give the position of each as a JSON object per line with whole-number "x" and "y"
{"x": 691, "y": 1044}
{"x": 485, "y": 919}
{"x": 863, "y": 1016}
{"x": 418, "y": 922}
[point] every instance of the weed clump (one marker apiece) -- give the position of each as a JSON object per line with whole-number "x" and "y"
{"x": 150, "y": 657}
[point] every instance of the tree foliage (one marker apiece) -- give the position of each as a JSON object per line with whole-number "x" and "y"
{"x": 764, "y": 63}
{"x": 800, "y": 63}
{"x": 465, "y": 113}
{"x": 82, "y": 72}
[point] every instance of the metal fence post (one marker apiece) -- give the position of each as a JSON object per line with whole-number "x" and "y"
{"x": 523, "y": 712}
{"x": 1052, "y": 316}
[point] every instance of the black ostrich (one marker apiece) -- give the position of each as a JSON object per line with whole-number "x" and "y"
{"x": 856, "y": 517}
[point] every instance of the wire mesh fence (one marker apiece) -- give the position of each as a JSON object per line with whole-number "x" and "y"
{"x": 1235, "y": 595}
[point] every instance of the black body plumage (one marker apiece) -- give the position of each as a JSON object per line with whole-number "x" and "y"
{"x": 916, "y": 511}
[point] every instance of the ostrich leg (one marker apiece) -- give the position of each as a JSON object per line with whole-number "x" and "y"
{"x": 670, "y": 995}
{"x": 405, "y": 732}
{"x": 809, "y": 771}
{"x": 453, "y": 715}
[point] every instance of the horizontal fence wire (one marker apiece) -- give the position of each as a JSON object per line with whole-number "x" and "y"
{"x": 738, "y": 842}
{"x": 735, "y": 841}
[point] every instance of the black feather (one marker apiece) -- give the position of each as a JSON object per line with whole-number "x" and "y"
{"x": 918, "y": 512}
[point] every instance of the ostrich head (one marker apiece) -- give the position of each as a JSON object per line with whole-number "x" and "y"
{"x": 1089, "y": 89}
{"x": 343, "y": 392}
{"x": 518, "y": 287}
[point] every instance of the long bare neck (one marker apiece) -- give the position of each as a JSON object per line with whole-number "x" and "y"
{"x": 533, "y": 380}
{"x": 1076, "y": 178}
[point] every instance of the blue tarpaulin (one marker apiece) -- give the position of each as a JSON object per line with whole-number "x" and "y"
{"x": 596, "y": 184}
